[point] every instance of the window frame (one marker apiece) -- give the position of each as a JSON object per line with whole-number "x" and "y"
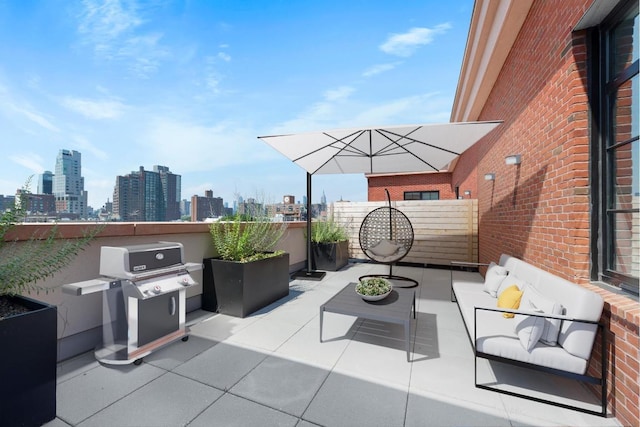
{"x": 603, "y": 88}
{"x": 421, "y": 194}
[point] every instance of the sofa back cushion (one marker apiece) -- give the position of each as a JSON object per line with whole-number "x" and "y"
{"x": 578, "y": 302}
{"x": 493, "y": 278}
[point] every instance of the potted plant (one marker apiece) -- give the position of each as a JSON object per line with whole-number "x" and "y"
{"x": 374, "y": 288}
{"x": 329, "y": 245}
{"x": 247, "y": 274}
{"x": 28, "y": 328}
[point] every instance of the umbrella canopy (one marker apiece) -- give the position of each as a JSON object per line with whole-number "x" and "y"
{"x": 388, "y": 149}
{"x": 407, "y": 148}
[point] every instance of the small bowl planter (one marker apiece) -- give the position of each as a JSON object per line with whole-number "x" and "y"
{"x": 374, "y": 288}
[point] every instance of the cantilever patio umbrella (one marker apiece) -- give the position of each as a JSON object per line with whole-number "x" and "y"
{"x": 385, "y": 149}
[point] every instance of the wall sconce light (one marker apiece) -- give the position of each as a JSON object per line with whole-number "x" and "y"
{"x": 467, "y": 193}
{"x": 489, "y": 176}
{"x": 513, "y": 159}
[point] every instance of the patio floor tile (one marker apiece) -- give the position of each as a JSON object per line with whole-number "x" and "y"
{"x": 84, "y": 395}
{"x": 281, "y": 384}
{"x": 234, "y": 411}
{"x": 305, "y": 344}
{"x": 179, "y": 352}
{"x": 175, "y": 401}
{"x": 221, "y": 366}
{"x": 347, "y": 401}
{"x": 431, "y": 409}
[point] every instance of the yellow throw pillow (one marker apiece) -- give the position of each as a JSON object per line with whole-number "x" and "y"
{"x": 510, "y": 298}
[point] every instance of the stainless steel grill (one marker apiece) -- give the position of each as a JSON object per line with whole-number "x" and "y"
{"x": 144, "y": 296}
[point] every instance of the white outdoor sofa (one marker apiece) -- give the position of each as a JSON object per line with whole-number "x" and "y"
{"x": 553, "y": 330}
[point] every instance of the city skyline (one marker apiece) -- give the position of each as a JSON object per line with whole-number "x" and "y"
{"x": 191, "y": 85}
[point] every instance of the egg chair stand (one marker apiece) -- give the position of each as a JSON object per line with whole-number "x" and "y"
{"x": 386, "y": 236}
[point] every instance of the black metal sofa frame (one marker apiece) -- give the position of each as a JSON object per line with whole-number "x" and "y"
{"x": 600, "y": 381}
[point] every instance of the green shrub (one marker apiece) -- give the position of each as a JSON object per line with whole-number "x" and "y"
{"x": 246, "y": 237}
{"x": 22, "y": 264}
{"x": 328, "y": 231}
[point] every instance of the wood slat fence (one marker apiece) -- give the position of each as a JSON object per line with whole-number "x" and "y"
{"x": 444, "y": 230}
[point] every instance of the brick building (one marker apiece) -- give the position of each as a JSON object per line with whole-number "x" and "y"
{"x": 412, "y": 186}
{"x": 564, "y": 79}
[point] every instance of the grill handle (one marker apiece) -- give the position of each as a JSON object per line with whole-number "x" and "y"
{"x": 172, "y": 306}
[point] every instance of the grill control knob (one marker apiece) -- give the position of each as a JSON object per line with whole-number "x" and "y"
{"x": 184, "y": 282}
{"x": 157, "y": 289}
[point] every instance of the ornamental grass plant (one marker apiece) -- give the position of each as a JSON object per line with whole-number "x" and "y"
{"x": 328, "y": 231}
{"x": 247, "y": 237}
{"x": 24, "y": 263}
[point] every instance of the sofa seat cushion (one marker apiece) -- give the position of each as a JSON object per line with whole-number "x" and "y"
{"x": 470, "y": 295}
{"x": 496, "y": 336}
{"x": 542, "y": 355}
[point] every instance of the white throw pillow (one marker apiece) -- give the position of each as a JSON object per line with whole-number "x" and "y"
{"x": 529, "y": 330}
{"x": 494, "y": 277}
{"x": 536, "y": 301}
{"x": 512, "y": 280}
{"x": 385, "y": 248}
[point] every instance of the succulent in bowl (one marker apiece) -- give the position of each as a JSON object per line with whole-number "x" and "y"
{"x": 373, "y": 286}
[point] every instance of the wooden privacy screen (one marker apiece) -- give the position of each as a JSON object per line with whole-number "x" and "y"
{"x": 444, "y": 230}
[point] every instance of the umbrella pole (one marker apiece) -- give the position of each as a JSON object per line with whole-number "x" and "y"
{"x": 309, "y": 274}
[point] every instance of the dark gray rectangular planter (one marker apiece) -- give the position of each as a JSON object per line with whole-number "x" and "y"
{"x": 28, "y": 365}
{"x": 239, "y": 289}
{"x": 330, "y": 256}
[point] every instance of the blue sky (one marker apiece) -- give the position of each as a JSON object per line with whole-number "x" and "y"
{"x": 192, "y": 84}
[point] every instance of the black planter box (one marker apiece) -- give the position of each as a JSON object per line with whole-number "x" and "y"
{"x": 28, "y": 357}
{"x": 330, "y": 256}
{"x": 239, "y": 289}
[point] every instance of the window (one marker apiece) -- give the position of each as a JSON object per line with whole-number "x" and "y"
{"x": 617, "y": 165}
{"x": 422, "y": 195}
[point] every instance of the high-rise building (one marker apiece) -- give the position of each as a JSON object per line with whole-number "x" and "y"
{"x": 206, "y": 207}
{"x": 185, "y": 207}
{"x": 147, "y": 195}
{"x": 68, "y": 185}
{"x": 7, "y": 202}
{"x": 171, "y": 192}
{"x": 45, "y": 183}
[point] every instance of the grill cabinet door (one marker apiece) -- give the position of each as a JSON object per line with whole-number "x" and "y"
{"x": 158, "y": 316}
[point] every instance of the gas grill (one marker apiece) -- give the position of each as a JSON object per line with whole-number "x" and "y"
{"x": 144, "y": 296}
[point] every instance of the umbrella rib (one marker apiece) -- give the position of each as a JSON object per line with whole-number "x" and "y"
{"x": 347, "y": 147}
{"x": 413, "y": 140}
{"x": 407, "y": 151}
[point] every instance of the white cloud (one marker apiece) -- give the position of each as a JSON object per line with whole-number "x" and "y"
{"x": 105, "y": 21}
{"x": 30, "y": 161}
{"x": 379, "y": 68}
{"x": 224, "y": 56}
{"x": 422, "y": 108}
{"x": 405, "y": 44}
{"x": 84, "y": 145}
{"x": 192, "y": 147}
{"x": 145, "y": 52}
{"x": 338, "y": 94}
{"x": 110, "y": 26}
{"x": 16, "y": 109}
{"x": 35, "y": 117}
{"x": 102, "y": 109}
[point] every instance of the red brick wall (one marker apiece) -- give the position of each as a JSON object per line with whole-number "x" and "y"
{"x": 540, "y": 210}
{"x": 398, "y": 184}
